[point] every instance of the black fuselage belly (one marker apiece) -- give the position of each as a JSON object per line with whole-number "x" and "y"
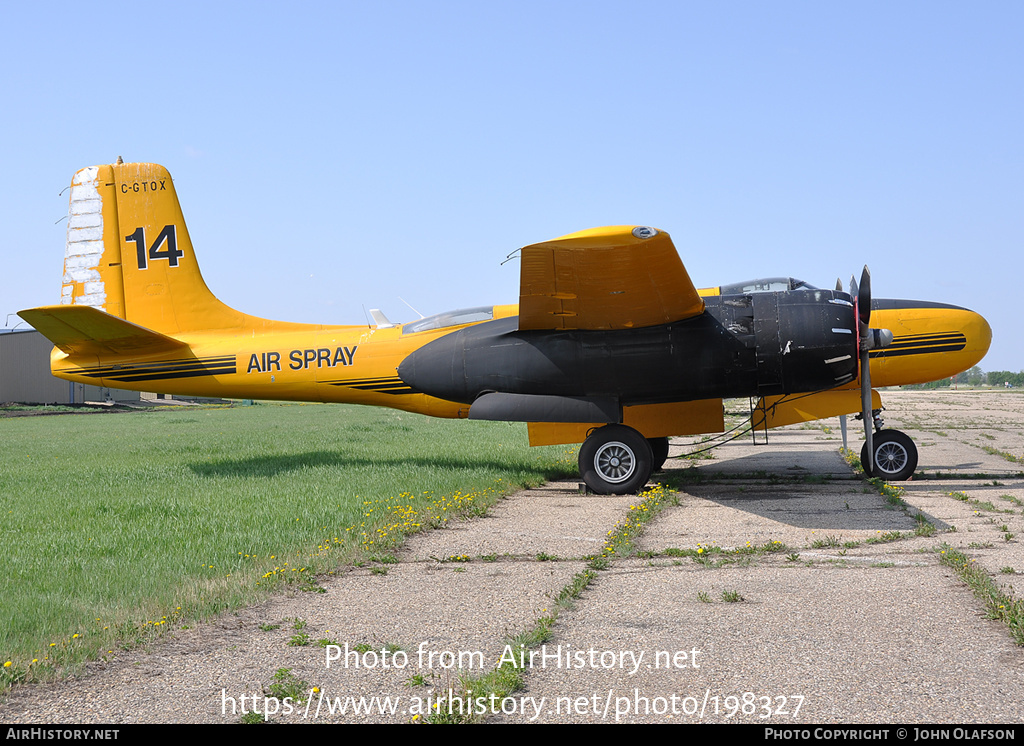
{"x": 742, "y": 345}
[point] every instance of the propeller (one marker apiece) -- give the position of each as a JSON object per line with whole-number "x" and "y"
{"x": 868, "y": 339}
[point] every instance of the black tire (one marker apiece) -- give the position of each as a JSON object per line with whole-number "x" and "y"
{"x": 659, "y": 452}
{"x": 895, "y": 456}
{"x": 615, "y": 460}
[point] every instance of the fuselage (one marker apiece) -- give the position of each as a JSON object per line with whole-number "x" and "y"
{"x": 754, "y": 344}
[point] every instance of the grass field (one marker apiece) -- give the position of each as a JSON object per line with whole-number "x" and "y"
{"x": 116, "y": 526}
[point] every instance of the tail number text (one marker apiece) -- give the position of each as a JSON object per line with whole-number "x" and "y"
{"x": 164, "y": 247}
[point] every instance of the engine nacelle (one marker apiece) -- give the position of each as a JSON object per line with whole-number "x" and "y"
{"x": 757, "y": 344}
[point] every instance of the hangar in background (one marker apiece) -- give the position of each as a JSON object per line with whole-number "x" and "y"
{"x": 25, "y": 374}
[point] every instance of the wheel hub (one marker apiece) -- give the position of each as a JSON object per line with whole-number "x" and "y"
{"x": 614, "y": 462}
{"x": 890, "y": 457}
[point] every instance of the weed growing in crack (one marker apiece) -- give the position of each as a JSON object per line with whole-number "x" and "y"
{"x": 621, "y": 537}
{"x": 828, "y": 541}
{"x": 288, "y": 685}
{"x": 884, "y": 537}
{"x": 508, "y": 676}
{"x": 1003, "y": 454}
{"x": 998, "y": 605}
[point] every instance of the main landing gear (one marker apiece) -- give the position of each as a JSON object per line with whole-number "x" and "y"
{"x": 617, "y": 460}
{"x": 659, "y": 449}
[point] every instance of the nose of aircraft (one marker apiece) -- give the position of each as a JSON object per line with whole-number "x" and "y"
{"x": 931, "y": 341}
{"x": 979, "y": 336}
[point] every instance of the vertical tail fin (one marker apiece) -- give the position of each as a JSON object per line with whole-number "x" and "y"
{"x": 129, "y": 253}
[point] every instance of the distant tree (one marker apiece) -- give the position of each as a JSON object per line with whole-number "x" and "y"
{"x": 974, "y": 377}
{"x": 942, "y": 383}
{"x": 1002, "y": 377}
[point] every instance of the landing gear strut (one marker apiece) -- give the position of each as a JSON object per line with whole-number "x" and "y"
{"x": 615, "y": 460}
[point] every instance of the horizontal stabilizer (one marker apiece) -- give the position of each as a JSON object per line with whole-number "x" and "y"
{"x": 84, "y": 330}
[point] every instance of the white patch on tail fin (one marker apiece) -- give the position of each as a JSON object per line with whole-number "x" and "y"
{"x": 84, "y": 248}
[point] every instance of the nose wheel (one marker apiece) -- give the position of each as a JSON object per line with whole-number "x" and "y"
{"x": 895, "y": 456}
{"x": 615, "y": 460}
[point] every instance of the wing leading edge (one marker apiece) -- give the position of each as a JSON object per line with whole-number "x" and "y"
{"x": 617, "y": 277}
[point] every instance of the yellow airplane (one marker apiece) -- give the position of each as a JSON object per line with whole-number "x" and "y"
{"x": 611, "y": 345}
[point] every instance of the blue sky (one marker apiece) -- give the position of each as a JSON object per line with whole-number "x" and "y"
{"x": 336, "y": 156}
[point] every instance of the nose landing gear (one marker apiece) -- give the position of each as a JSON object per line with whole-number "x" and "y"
{"x": 894, "y": 458}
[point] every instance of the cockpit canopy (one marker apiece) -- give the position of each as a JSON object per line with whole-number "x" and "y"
{"x": 450, "y": 318}
{"x": 765, "y": 285}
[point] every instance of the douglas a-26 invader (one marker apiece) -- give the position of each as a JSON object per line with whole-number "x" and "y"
{"x": 611, "y": 345}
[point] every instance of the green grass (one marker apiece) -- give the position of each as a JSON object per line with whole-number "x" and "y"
{"x": 119, "y": 526}
{"x": 8, "y": 409}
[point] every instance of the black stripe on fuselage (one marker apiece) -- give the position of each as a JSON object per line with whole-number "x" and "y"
{"x": 381, "y": 385}
{"x": 923, "y": 344}
{"x": 164, "y": 369}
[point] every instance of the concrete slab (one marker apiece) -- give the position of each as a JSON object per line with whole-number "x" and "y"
{"x": 842, "y": 644}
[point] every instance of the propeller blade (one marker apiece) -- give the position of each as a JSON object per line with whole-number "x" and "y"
{"x": 869, "y": 339}
{"x": 864, "y": 297}
{"x": 839, "y": 285}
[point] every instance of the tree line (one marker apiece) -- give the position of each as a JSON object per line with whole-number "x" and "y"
{"x": 976, "y": 377}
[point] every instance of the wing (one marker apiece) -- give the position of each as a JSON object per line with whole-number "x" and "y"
{"x": 788, "y": 409}
{"x": 619, "y": 277}
{"x": 84, "y": 330}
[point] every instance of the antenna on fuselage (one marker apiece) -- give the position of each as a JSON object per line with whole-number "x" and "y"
{"x": 413, "y": 309}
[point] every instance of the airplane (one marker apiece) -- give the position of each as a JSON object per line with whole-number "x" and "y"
{"x": 610, "y": 345}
